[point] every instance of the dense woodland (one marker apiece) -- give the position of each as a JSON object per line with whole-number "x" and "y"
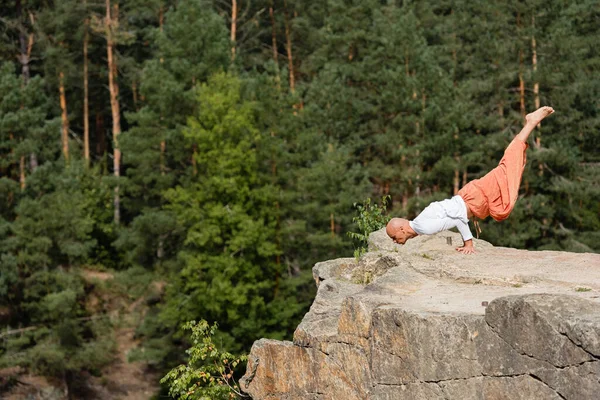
{"x": 218, "y": 148}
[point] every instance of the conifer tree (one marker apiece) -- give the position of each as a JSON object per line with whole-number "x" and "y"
{"x": 54, "y": 29}
{"x": 191, "y": 44}
{"x": 228, "y": 257}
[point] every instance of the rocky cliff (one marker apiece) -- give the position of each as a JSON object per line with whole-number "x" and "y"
{"x": 422, "y": 321}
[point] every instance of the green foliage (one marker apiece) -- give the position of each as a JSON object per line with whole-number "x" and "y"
{"x": 229, "y": 272}
{"x": 133, "y": 282}
{"x": 209, "y": 373}
{"x": 236, "y": 178}
{"x": 61, "y": 339}
{"x": 370, "y": 217}
{"x": 55, "y": 224}
{"x": 24, "y": 120}
{"x": 190, "y": 47}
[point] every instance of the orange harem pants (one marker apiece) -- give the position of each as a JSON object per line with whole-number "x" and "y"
{"x": 496, "y": 193}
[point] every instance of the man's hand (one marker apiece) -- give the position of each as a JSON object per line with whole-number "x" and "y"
{"x": 467, "y": 248}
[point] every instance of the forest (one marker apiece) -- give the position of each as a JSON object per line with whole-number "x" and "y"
{"x": 164, "y": 161}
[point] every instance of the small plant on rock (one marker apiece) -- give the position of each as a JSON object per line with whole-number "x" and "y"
{"x": 209, "y": 372}
{"x": 583, "y": 289}
{"x": 370, "y": 218}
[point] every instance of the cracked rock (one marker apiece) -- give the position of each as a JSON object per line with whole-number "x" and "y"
{"x": 406, "y": 322}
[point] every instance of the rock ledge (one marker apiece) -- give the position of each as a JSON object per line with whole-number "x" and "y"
{"x": 421, "y": 321}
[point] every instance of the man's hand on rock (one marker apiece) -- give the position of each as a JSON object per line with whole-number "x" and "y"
{"x": 467, "y": 248}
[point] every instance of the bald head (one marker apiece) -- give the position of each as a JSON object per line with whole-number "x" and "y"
{"x": 399, "y": 230}
{"x": 394, "y": 225}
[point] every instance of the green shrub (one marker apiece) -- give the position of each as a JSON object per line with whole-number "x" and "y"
{"x": 370, "y": 217}
{"x": 209, "y": 373}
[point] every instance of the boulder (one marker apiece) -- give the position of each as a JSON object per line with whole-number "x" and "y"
{"x": 422, "y": 321}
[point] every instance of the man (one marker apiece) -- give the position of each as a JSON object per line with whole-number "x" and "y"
{"x": 495, "y": 194}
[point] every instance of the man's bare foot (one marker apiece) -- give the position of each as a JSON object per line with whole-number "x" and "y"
{"x": 538, "y": 115}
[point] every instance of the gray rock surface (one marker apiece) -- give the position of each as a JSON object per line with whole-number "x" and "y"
{"x": 422, "y": 321}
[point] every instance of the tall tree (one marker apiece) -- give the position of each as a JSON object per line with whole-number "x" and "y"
{"x": 190, "y": 45}
{"x": 26, "y": 41}
{"x": 229, "y": 252}
{"x": 24, "y": 122}
{"x": 288, "y": 47}
{"x": 234, "y": 21}
{"x": 86, "y": 108}
{"x": 111, "y": 22}
{"x": 54, "y": 30}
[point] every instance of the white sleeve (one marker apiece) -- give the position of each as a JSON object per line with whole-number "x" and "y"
{"x": 464, "y": 230}
{"x": 434, "y": 218}
{"x": 429, "y": 221}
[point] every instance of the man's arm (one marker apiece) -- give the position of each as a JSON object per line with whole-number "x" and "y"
{"x": 467, "y": 236}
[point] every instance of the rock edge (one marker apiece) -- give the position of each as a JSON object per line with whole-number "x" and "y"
{"x": 407, "y": 322}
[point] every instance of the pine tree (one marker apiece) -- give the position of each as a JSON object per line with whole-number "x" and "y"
{"x": 228, "y": 258}
{"x": 54, "y": 29}
{"x": 191, "y": 44}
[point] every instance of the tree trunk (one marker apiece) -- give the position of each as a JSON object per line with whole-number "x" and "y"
{"x": 277, "y": 224}
{"x": 332, "y": 224}
{"x": 536, "y": 91}
{"x": 418, "y": 177}
{"x": 273, "y": 32}
{"x": 423, "y": 105}
{"x": 160, "y": 249}
{"x": 456, "y": 134}
{"x": 163, "y": 148}
{"x": 86, "y": 108}
{"x": 233, "y": 27}
{"x": 64, "y": 116}
{"x": 163, "y": 143}
{"x": 26, "y": 45}
{"x": 288, "y": 47}
{"x": 114, "y": 100}
{"x": 456, "y": 177}
{"x": 274, "y": 44}
{"x": 536, "y": 84}
{"x": 100, "y": 134}
{"x": 419, "y": 129}
{"x": 33, "y": 162}
{"x": 273, "y": 161}
{"x": 161, "y": 19}
{"x": 521, "y": 80}
{"x": 404, "y": 185}
{"x": 522, "y": 90}
{"x": 22, "y": 172}
{"x": 521, "y": 84}
{"x": 194, "y": 164}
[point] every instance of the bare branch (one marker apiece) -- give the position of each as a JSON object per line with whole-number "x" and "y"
{"x": 15, "y": 331}
{"x": 246, "y": 10}
{"x": 32, "y": 328}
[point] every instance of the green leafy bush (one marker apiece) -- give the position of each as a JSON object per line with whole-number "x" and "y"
{"x": 209, "y": 372}
{"x": 370, "y": 217}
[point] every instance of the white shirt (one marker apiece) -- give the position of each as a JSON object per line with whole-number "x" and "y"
{"x": 443, "y": 215}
